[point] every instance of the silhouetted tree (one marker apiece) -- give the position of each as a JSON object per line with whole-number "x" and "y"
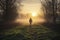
{"x": 11, "y": 12}
{"x": 54, "y": 3}
{"x": 50, "y": 10}
{"x": 47, "y": 9}
{"x": 58, "y": 10}
{"x": 2, "y": 9}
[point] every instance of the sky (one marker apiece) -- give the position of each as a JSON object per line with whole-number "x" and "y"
{"x": 31, "y": 1}
{"x": 32, "y": 8}
{"x": 29, "y": 7}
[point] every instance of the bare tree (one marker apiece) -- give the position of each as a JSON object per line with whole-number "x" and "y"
{"x": 11, "y": 11}
{"x": 50, "y": 10}
{"x": 2, "y": 8}
{"x": 54, "y": 3}
{"x": 58, "y": 9}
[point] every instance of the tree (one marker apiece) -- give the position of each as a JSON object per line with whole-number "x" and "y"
{"x": 2, "y": 9}
{"x": 11, "y": 11}
{"x": 50, "y": 10}
{"x": 58, "y": 9}
{"x": 54, "y": 3}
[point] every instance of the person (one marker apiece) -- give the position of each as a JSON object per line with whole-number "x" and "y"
{"x": 30, "y": 27}
{"x": 30, "y": 21}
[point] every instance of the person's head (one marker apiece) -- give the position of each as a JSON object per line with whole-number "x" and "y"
{"x": 30, "y": 18}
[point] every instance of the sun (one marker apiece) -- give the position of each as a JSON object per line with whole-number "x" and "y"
{"x": 34, "y": 14}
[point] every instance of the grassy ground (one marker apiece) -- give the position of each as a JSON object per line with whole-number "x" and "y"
{"x": 36, "y": 32}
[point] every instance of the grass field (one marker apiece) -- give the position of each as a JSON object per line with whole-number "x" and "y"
{"x": 25, "y": 32}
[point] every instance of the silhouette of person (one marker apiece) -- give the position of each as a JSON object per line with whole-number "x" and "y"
{"x": 30, "y": 21}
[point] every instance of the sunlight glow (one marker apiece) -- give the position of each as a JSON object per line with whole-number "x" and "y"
{"x": 34, "y": 14}
{"x": 30, "y": 9}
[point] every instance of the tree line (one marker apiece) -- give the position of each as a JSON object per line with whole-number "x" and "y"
{"x": 51, "y": 9}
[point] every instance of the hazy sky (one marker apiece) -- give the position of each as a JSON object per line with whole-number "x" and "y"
{"x": 30, "y": 6}
{"x": 31, "y": 1}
